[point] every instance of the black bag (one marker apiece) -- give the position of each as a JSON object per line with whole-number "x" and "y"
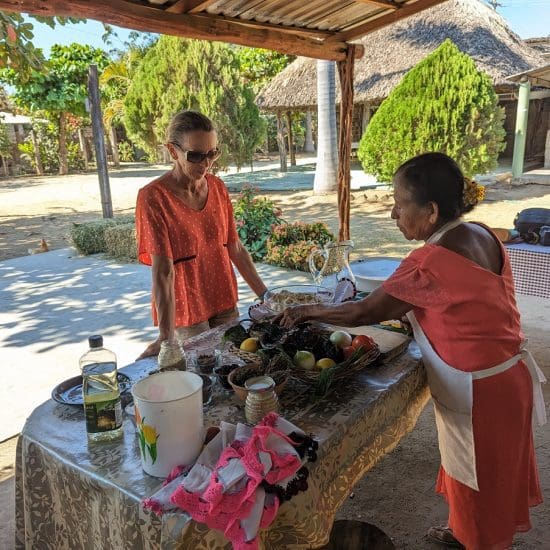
{"x": 529, "y": 221}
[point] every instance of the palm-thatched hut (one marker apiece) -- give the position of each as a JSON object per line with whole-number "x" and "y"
{"x": 476, "y": 29}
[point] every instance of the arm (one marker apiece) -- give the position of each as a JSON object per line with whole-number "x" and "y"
{"x": 377, "y": 306}
{"x": 163, "y": 293}
{"x": 243, "y": 262}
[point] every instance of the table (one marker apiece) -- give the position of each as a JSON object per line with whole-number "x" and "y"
{"x": 531, "y": 268}
{"x": 73, "y": 495}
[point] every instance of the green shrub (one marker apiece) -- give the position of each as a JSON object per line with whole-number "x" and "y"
{"x": 126, "y": 151}
{"x": 255, "y": 217}
{"x": 120, "y": 241}
{"x": 291, "y": 244}
{"x": 443, "y": 104}
{"x": 89, "y": 238}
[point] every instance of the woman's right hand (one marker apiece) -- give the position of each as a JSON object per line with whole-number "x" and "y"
{"x": 151, "y": 349}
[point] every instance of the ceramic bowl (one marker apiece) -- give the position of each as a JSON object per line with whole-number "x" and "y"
{"x": 279, "y": 298}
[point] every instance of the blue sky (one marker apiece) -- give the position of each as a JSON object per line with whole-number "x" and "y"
{"x": 527, "y": 18}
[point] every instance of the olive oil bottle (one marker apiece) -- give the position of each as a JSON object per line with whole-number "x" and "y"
{"x": 101, "y": 394}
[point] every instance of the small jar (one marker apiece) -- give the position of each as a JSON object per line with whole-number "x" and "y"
{"x": 171, "y": 356}
{"x": 261, "y": 398}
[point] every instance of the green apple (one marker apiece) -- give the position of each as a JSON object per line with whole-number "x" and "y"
{"x": 304, "y": 360}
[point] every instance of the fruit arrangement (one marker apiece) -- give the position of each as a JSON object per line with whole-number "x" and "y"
{"x": 306, "y": 351}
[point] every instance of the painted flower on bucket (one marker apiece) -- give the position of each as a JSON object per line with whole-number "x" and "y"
{"x": 148, "y": 436}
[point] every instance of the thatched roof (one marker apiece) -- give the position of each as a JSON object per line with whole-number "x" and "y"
{"x": 392, "y": 51}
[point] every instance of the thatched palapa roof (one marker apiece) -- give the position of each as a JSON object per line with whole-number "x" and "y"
{"x": 393, "y": 50}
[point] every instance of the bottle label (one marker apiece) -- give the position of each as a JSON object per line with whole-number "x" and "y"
{"x": 103, "y": 416}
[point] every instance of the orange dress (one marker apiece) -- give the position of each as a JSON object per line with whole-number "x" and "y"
{"x": 196, "y": 241}
{"x": 470, "y": 317}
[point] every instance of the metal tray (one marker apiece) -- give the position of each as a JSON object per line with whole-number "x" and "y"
{"x": 69, "y": 392}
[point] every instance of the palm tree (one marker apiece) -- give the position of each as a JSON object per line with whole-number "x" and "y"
{"x": 115, "y": 81}
{"x": 326, "y": 172}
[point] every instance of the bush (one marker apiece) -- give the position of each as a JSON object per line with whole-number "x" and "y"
{"x": 291, "y": 244}
{"x": 126, "y": 151}
{"x": 443, "y": 104}
{"x": 120, "y": 241}
{"x": 89, "y": 238}
{"x": 255, "y": 217}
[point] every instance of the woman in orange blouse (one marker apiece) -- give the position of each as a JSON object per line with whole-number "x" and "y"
{"x": 186, "y": 232}
{"x": 458, "y": 293}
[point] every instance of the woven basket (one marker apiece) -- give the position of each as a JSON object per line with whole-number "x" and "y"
{"x": 311, "y": 376}
{"x": 246, "y": 356}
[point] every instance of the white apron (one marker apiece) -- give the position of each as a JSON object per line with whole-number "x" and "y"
{"x": 452, "y": 393}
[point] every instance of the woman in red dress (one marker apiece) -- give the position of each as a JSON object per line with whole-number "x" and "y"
{"x": 457, "y": 291}
{"x": 186, "y": 232}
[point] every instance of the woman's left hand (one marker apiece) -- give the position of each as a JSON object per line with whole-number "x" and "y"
{"x": 294, "y": 315}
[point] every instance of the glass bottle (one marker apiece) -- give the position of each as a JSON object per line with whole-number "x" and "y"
{"x": 260, "y": 399}
{"x": 100, "y": 391}
{"x": 171, "y": 356}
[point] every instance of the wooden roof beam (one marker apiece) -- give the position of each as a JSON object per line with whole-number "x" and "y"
{"x": 189, "y": 6}
{"x": 388, "y": 4}
{"x": 405, "y": 10}
{"x": 148, "y": 19}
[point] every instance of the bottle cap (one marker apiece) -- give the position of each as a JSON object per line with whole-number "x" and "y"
{"x": 95, "y": 341}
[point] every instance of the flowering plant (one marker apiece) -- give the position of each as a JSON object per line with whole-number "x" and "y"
{"x": 291, "y": 244}
{"x": 255, "y": 217}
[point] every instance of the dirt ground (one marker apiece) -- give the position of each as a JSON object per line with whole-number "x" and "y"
{"x": 398, "y": 494}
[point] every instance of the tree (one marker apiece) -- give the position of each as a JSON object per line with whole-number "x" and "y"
{"x": 259, "y": 66}
{"x": 204, "y": 76}
{"x": 326, "y": 170}
{"x": 443, "y": 104}
{"x": 16, "y": 48}
{"x": 5, "y": 147}
{"x": 59, "y": 88}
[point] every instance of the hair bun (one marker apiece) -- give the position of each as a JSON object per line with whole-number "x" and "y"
{"x": 473, "y": 192}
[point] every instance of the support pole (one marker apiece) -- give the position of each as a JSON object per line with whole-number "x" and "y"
{"x": 521, "y": 128}
{"x": 281, "y": 142}
{"x": 99, "y": 142}
{"x": 345, "y": 71}
{"x": 290, "y": 139}
{"x": 308, "y": 145}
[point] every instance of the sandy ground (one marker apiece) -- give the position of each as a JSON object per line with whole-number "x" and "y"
{"x": 398, "y": 494}
{"x": 35, "y": 208}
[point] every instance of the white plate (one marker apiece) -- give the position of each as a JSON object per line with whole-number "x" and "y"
{"x": 370, "y": 273}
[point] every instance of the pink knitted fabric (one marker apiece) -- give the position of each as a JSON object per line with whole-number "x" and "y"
{"x": 225, "y": 510}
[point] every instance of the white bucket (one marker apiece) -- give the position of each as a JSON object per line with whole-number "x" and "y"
{"x": 169, "y": 421}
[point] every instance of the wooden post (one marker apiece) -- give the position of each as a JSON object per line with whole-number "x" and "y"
{"x": 290, "y": 139}
{"x": 99, "y": 142}
{"x": 365, "y": 118}
{"x": 281, "y": 142}
{"x": 37, "y": 155}
{"x": 345, "y": 70}
{"x": 308, "y": 145}
{"x": 83, "y": 148}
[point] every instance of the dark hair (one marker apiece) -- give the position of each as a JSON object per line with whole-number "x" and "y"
{"x": 185, "y": 122}
{"x": 435, "y": 177}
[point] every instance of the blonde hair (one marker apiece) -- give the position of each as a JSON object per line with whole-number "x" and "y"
{"x": 187, "y": 121}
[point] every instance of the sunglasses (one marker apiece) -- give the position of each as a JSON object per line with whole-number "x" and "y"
{"x": 196, "y": 156}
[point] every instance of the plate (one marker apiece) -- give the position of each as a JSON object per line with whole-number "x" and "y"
{"x": 370, "y": 273}
{"x": 69, "y": 392}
